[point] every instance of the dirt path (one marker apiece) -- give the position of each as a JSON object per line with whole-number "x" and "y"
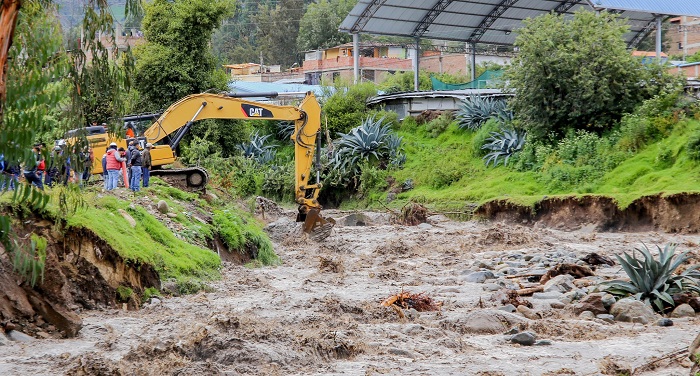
{"x": 320, "y": 313}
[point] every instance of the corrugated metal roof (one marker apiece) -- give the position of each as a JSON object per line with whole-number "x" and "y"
{"x": 495, "y": 21}
{"x": 665, "y": 7}
{"x": 266, "y": 87}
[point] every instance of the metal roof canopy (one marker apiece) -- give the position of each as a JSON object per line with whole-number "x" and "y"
{"x": 493, "y": 21}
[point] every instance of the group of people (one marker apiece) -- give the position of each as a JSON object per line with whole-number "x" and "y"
{"x": 40, "y": 171}
{"x": 136, "y": 161}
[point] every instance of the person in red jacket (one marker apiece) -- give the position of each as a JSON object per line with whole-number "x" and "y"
{"x": 114, "y": 164}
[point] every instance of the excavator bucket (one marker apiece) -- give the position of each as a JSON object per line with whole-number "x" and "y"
{"x": 316, "y": 226}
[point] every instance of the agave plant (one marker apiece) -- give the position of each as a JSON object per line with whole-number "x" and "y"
{"x": 653, "y": 280}
{"x": 503, "y": 145}
{"x": 257, "y": 149}
{"x": 369, "y": 140}
{"x": 475, "y": 110}
{"x": 285, "y": 129}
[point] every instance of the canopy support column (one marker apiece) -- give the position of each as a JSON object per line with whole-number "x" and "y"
{"x": 658, "y": 39}
{"x": 416, "y": 66}
{"x": 472, "y": 48}
{"x": 356, "y": 57}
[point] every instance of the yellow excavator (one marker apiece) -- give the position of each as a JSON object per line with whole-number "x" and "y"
{"x": 170, "y": 127}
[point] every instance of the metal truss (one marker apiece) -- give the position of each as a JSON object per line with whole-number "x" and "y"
{"x": 490, "y": 19}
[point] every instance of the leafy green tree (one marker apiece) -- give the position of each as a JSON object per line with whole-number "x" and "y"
{"x": 176, "y": 59}
{"x": 403, "y": 81}
{"x": 319, "y": 26}
{"x": 277, "y": 30}
{"x": 347, "y": 107}
{"x": 574, "y": 74}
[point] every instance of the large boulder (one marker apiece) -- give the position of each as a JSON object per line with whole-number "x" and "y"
{"x": 592, "y": 302}
{"x": 631, "y": 310}
{"x": 561, "y": 283}
{"x": 683, "y": 310}
{"x": 488, "y": 321}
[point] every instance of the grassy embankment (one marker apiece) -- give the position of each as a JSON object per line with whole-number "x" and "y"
{"x": 177, "y": 257}
{"x": 448, "y": 172}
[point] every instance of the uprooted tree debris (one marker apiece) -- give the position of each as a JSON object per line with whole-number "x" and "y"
{"x": 420, "y": 302}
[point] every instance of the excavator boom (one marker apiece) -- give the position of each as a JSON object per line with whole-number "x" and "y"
{"x": 179, "y": 117}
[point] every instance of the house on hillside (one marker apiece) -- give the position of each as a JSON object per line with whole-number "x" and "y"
{"x": 376, "y": 61}
{"x": 684, "y": 33}
{"x": 252, "y": 72}
{"x": 649, "y": 57}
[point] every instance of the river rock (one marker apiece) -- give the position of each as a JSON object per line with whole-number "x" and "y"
{"x": 524, "y": 338}
{"x": 606, "y": 317}
{"x": 507, "y": 308}
{"x": 3, "y": 339}
{"x": 587, "y": 315}
{"x": 608, "y": 300}
{"x": 544, "y": 342}
{"x": 163, "y": 207}
{"x": 592, "y": 302}
{"x": 548, "y": 295}
{"x": 561, "y": 283}
{"x": 491, "y": 287}
{"x": 486, "y": 321}
{"x": 528, "y": 312}
{"x": 664, "y": 322}
{"x": 683, "y": 310}
{"x": 478, "y": 277}
{"x": 631, "y": 310}
{"x": 130, "y": 219}
{"x": 18, "y": 336}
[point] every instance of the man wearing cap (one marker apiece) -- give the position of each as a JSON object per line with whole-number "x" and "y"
{"x": 114, "y": 165}
{"x": 146, "y": 164}
{"x": 135, "y": 162}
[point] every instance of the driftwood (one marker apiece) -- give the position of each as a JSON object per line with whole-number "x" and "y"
{"x": 530, "y": 290}
{"x": 420, "y": 302}
{"x": 596, "y": 259}
{"x": 577, "y": 271}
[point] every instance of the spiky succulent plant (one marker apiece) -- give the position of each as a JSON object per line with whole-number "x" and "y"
{"x": 654, "y": 281}
{"x": 256, "y": 148}
{"x": 285, "y": 129}
{"x": 475, "y": 110}
{"x": 369, "y": 140}
{"x": 503, "y": 145}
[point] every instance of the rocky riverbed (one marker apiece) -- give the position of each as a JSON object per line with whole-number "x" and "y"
{"x": 320, "y": 312}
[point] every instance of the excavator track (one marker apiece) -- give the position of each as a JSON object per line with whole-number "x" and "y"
{"x": 190, "y": 178}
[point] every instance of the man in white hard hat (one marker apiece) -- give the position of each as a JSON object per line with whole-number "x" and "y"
{"x": 146, "y": 164}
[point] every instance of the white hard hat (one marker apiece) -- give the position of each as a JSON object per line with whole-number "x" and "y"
{"x": 113, "y": 144}
{"x": 149, "y": 145}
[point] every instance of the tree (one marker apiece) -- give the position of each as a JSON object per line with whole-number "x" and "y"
{"x": 176, "y": 59}
{"x": 277, "y": 30}
{"x": 319, "y": 26}
{"x": 573, "y": 74}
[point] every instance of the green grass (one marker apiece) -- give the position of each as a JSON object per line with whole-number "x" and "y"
{"x": 239, "y": 230}
{"x": 149, "y": 242}
{"x": 448, "y": 173}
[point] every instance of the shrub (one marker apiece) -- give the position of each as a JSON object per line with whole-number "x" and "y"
{"x": 653, "y": 280}
{"x": 693, "y": 146}
{"x": 149, "y": 293}
{"x": 404, "y": 81}
{"x": 437, "y": 126}
{"x": 372, "y": 178}
{"x": 444, "y": 176}
{"x": 346, "y": 108}
{"x": 482, "y": 134}
{"x": 124, "y": 293}
{"x": 278, "y": 182}
{"x": 503, "y": 145}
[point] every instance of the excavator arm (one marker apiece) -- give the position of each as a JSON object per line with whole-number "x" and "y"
{"x": 174, "y": 123}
